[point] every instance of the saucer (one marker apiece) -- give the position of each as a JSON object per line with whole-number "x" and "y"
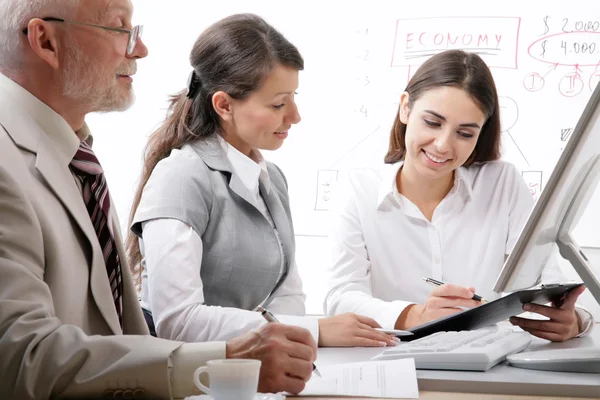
{"x": 257, "y": 396}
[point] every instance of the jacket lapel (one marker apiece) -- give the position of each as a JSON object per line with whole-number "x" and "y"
{"x": 214, "y": 156}
{"x": 62, "y": 183}
{"x": 60, "y": 180}
{"x": 238, "y": 187}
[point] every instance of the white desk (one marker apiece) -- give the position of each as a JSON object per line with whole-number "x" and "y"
{"x": 500, "y": 382}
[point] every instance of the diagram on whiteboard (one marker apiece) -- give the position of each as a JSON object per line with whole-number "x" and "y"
{"x": 569, "y": 51}
{"x": 495, "y": 39}
{"x": 544, "y": 67}
{"x": 509, "y": 115}
{"x": 327, "y": 178}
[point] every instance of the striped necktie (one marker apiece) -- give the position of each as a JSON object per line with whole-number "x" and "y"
{"x": 97, "y": 201}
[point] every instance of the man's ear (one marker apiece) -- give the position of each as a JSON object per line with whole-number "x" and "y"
{"x": 222, "y": 104}
{"x": 404, "y": 110}
{"x": 43, "y": 41}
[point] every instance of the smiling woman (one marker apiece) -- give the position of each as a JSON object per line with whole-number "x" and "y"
{"x": 444, "y": 207}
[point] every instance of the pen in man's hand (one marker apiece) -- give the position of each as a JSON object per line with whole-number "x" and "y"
{"x": 438, "y": 283}
{"x": 271, "y": 318}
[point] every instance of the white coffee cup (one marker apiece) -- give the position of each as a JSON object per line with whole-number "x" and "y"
{"x": 234, "y": 379}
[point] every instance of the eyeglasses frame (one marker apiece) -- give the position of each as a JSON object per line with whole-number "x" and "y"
{"x": 133, "y": 39}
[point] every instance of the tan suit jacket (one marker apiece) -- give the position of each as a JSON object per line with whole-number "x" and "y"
{"x": 59, "y": 331}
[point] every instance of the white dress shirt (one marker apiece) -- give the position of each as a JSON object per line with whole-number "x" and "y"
{"x": 172, "y": 287}
{"x": 382, "y": 245}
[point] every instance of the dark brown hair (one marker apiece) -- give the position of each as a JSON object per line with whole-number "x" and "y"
{"x": 234, "y": 55}
{"x": 465, "y": 71}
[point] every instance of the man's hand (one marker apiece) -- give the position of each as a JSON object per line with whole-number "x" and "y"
{"x": 287, "y": 354}
{"x": 564, "y": 323}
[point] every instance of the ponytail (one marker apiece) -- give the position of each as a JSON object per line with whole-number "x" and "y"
{"x": 172, "y": 134}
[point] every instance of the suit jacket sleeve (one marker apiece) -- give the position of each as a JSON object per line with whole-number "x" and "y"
{"x": 40, "y": 357}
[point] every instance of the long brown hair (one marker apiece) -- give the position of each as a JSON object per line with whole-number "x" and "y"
{"x": 234, "y": 55}
{"x": 465, "y": 71}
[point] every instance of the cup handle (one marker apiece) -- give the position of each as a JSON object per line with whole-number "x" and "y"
{"x": 197, "y": 382}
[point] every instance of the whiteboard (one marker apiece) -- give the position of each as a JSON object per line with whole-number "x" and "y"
{"x": 359, "y": 55}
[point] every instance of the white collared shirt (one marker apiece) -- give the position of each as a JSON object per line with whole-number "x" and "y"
{"x": 172, "y": 287}
{"x": 382, "y": 245}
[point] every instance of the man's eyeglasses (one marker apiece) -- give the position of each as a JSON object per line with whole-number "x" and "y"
{"x": 134, "y": 34}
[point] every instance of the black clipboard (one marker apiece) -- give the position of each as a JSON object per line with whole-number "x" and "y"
{"x": 494, "y": 311}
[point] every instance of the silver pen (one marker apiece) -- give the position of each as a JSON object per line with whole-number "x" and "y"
{"x": 271, "y": 318}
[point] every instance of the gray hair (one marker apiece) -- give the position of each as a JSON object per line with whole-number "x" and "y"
{"x": 16, "y": 14}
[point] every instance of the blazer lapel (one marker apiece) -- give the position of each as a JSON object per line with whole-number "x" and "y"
{"x": 28, "y": 135}
{"x": 61, "y": 181}
{"x": 214, "y": 156}
{"x": 237, "y": 186}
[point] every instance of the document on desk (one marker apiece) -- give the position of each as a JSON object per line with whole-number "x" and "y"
{"x": 395, "y": 379}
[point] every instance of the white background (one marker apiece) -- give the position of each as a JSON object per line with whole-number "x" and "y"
{"x": 355, "y": 69}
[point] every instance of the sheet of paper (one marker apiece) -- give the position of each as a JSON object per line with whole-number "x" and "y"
{"x": 395, "y": 379}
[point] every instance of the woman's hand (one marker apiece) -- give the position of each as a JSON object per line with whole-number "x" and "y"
{"x": 351, "y": 330}
{"x": 444, "y": 300}
{"x": 564, "y": 323}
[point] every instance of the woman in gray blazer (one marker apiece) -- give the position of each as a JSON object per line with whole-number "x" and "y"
{"x": 212, "y": 235}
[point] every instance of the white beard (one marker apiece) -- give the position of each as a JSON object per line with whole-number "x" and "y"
{"x": 83, "y": 82}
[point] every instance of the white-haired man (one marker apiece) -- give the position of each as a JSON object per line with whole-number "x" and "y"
{"x": 70, "y": 322}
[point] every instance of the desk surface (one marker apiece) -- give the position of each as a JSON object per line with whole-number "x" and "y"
{"x": 427, "y": 395}
{"x": 502, "y": 382}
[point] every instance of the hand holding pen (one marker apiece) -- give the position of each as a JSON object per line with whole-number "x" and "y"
{"x": 286, "y": 353}
{"x": 271, "y": 318}
{"x": 438, "y": 283}
{"x": 444, "y": 300}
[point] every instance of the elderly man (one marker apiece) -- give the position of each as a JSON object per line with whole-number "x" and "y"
{"x": 70, "y": 322}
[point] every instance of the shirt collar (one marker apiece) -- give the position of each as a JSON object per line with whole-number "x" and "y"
{"x": 388, "y": 187}
{"x": 463, "y": 183}
{"x": 58, "y": 130}
{"x": 251, "y": 169}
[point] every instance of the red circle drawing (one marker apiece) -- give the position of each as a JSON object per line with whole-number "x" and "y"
{"x": 571, "y": 84}
{"x": 533, "y": 82}
{"x": 557, "y": 39}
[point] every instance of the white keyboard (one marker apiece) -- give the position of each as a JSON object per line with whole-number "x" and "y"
{"x": 477, "y": 350}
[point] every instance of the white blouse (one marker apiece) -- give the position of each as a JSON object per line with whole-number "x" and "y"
{"x": 382, "y": 245}
{"x": 175, "y": 295}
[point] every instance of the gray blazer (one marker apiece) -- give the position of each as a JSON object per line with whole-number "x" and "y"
{"x": 242, "y": 260}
